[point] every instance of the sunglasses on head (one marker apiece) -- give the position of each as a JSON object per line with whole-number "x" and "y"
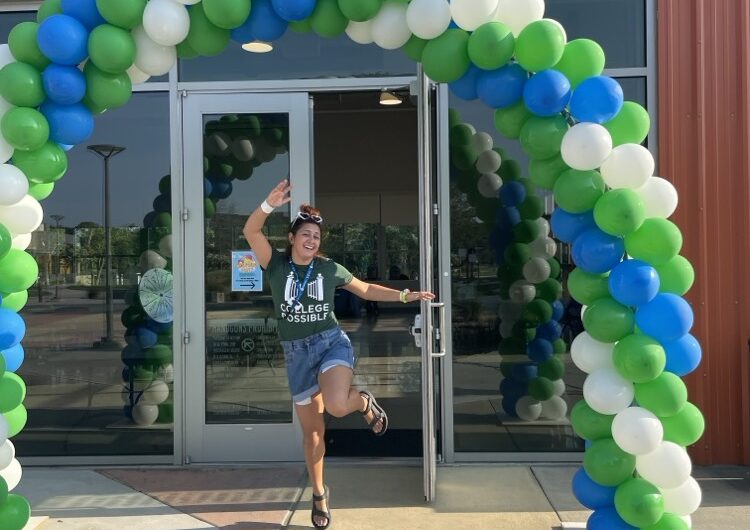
{"x": 304, "y": 216}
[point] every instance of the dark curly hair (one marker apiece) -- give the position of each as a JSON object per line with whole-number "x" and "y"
{"x": 298, "y": 223}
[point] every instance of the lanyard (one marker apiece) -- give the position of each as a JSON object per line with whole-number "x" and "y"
{"x": 301, "y": 285}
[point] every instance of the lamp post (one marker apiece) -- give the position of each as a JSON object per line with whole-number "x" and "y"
{"x": 106, "y": 152}
{"x": 57, "y": 218}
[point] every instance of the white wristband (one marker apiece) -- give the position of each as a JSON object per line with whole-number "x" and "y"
{"x": 267, "y": 208}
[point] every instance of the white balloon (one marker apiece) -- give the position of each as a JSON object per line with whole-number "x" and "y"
{"x": 470, "y": 14}
{"x": 144, "y": 414}
{"x": 543, "y": 247}
{"x": 21, "y": 241}
{"x": 628, "y": 166}
{"x": 166, "y": 22}
{"x": 518, "y": 14}
{"x": 12, "y": 474}
{"x": 389, "y": 28}
{"x": 157, "y": 392}
{"x": 6, "y": 150}
{"x": 488, "y": 161}
{"x": 488, "y": 184}
{"x": 13, "y": 184}
{"x": 590, "y": 355}
{"x": 528, "y": 408}
{"x": 188, "y": 2}
{"x": 586, "y": 146}
{"x": 667, "y": 466}
{"x": 7, "y": 453}
{"x": 536, "y": 270}
{"x": 584, "y": 307}
{"x": 360, "y": 32}
{"x": 522, "y": 292}
{"x": 684, "y": 499}
{"x": 482, "y": 142}
{"x": 688, "y": 520}
{"x": 165, "y": 246}
{"x": 23, "y": 217}
{"x": 242, "y": 149}
{"x": 554, "y": 408}
{"x": 428, "y": 19}
{"x": 558, "y": 387}
{"x": 659, "y": 196}
{"x": 5, "y": 56}
{"x": 544, "y": 229}
{"x": 506, "y": 328}
{"x": 637, "y": 431}
{"x": 607, "y": 392}
{"x": 218, "y": 144}
{"x": 166, "y": 373}
{"x": 150, "y": 259}
{"x": 136, "y": 76}
{"x": 150, "y": 57}
{"x": 3, "y": 429}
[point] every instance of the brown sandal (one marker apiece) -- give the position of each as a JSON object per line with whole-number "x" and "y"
{"x": 378, "y": 413}
{"x": 317, "y": 512}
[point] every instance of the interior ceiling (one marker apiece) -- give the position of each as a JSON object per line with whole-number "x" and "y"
{"x": 360, "y": 101}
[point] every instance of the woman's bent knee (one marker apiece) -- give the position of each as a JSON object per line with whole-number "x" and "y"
{"x": 337, "y": 409}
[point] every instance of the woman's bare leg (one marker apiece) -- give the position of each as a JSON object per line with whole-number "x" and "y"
{"x": 313, "y": 431}
{"x": 338, "y": 395}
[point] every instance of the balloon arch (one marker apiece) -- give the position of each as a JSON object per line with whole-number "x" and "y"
{"x": 81, "y": 58}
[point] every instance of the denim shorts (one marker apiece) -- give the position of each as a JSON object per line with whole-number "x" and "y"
{"x": 313, "y": 355}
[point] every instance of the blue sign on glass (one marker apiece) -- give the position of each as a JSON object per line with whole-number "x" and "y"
{"x": 247, "y": 275}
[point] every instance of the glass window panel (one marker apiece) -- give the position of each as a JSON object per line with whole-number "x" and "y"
{"x": 9, "y": 20}
{"x": 89, "y": 394}
{"x": 299, "y": 56}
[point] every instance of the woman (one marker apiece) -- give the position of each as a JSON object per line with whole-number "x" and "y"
{"x": 318, "y": 354}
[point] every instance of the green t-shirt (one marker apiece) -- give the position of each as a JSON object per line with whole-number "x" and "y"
{"x": 314, "y": 312}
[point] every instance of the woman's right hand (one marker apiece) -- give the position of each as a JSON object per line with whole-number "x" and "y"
{"x": 280, "y": 195}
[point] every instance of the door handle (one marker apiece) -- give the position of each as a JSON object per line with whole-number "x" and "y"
{"x": 416, "y": 330}
{"x": 440, "y": 330}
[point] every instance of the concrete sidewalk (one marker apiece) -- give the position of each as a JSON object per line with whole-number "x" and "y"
{"x": 363, "y": 497}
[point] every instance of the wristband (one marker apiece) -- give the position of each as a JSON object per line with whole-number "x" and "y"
{"x": 267, "y": 208}
{"x": 403, "y": 296}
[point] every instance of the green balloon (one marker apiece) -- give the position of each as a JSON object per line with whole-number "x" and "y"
{"x": 6, "y": 241}
{"x": 414, "y": 48}
{"x": 204, "y": 37}
{"x": 526, "y": 231}
{"x": 3, "y": 484}
{"x": 582, "y": 58}
{"x": 15, "y": 512}
{"x": 327, "y": 20}
{"x": 639, "y": 503}
{"x": 510, "y": 120}
{"x": 209, "y": 208}
{"x": 578, "y": 191}
{"x": 41, "y": 191}
{"x": 607, "y": 464}
{"x": 185, "y": 51}
{"x": 227, "y": 14}
{"x": 105, "y": 90}
{"x": 537, "y": 311}
{"x": 360, "y": 10}
{"x": 657, "y": 241}
{"x": 541, "y": 388}
{"x": 589, "y": 424}
{"x": 586, "y": 287}
{"x": 16, "y": 419}
{"x": 560, "y": 346}
{"x": 517, "y": 253}
{"x": 549, "y": 290}
{"x": 464, "y": 157}
{"x": 446, "y": 58}
{"x": 42, "y": 166}
{"x": 639, "y": 358}
{"x": 301, "y": 26}
{"x": 159, "y": 355}
{"x": 509, "y": 170}
{"x": 665, "y": 396}
{"x": 511, "y": 346}
{"x": 491, "y": 45}
{"x": 454, "y": 118}
{"x": 522, "y": 332}
{"x": 531, "y": 208}
{"x": 15, "y": 301}
{"x": 111, "y": 49}
{"x": 126, "y": 14}
{"x": 460, "y": 134}
{"x": 544, "y": 173}
{"x": 607, "y": 320}
{"x": 620, "y": 212}
{"x": 542, "y": 137}
{"x": 49, "y": 8}
{"x": 669, "y": 521}
{"x": 18, "y": 271}
{"x": 21, "y": 85}
{"x": 553, "y": 369}
{"x": 684, "y": 428}
{"x": 554, "y": 267}
{"x": 630, "y": 126}
{"x": 25, "y": 129}
{"x": 23, "y": 45}
{"x": 12, "y": 391}
{"x": 540, "y": 45}
{"x": 676, "y": 276}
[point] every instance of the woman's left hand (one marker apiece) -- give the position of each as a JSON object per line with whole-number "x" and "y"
{"x": 419, "y": 295}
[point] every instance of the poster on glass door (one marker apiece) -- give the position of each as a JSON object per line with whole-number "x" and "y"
{"x": 247, "y": 276}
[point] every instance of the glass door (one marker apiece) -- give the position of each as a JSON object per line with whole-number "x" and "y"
{"x": 237, "y": 147}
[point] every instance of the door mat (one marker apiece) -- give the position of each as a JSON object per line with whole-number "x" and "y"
{"x": 230, "y": 498}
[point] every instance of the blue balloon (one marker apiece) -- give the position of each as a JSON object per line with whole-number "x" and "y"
{"x": 84, "y": 11}
{"x": 64, "y": 84}
{"x": 513, "y": 193}
{"x": 502, "y": 87}
{"x": 524, "y": 372}
{"x": 13, "y": 357}
{"x": 66, "y": 147}
{"x": 509, "y": 405}
{"x": 466, "y": 86}
{"x": 162, "y": 203}
{"x": 294, "y": 10}
{"x": 683, "y": 355}
{"x": 666, "y": 318}
{"x": 207, "y": 187}
{"x": 63, "y": 40}
{"x": 607, "y": 519}
{"x": 146, "y": 337}
{"x": 68, "y": 124}
{"x": 12, "y": 328}
{"x": 547, "y": 93}
{"x": 539, "y": 350}
{"x": 591, "y": 494}
{"x": 148, "y": 219}
{"x": 550, "y": 330}
{"x": 634, "y": 282}
{"x": 568, "y": 226}
{"x": 262, "y": 24}
{"x": 513, "y": 388}
{"x": 597, "y": 252}
{"x": 158, "y": 327}
{"x": 598, "y": 99}
{"x": 558, "y": 310}
{"x": 221, "y": 189}
{"x": 508, "y": 217}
